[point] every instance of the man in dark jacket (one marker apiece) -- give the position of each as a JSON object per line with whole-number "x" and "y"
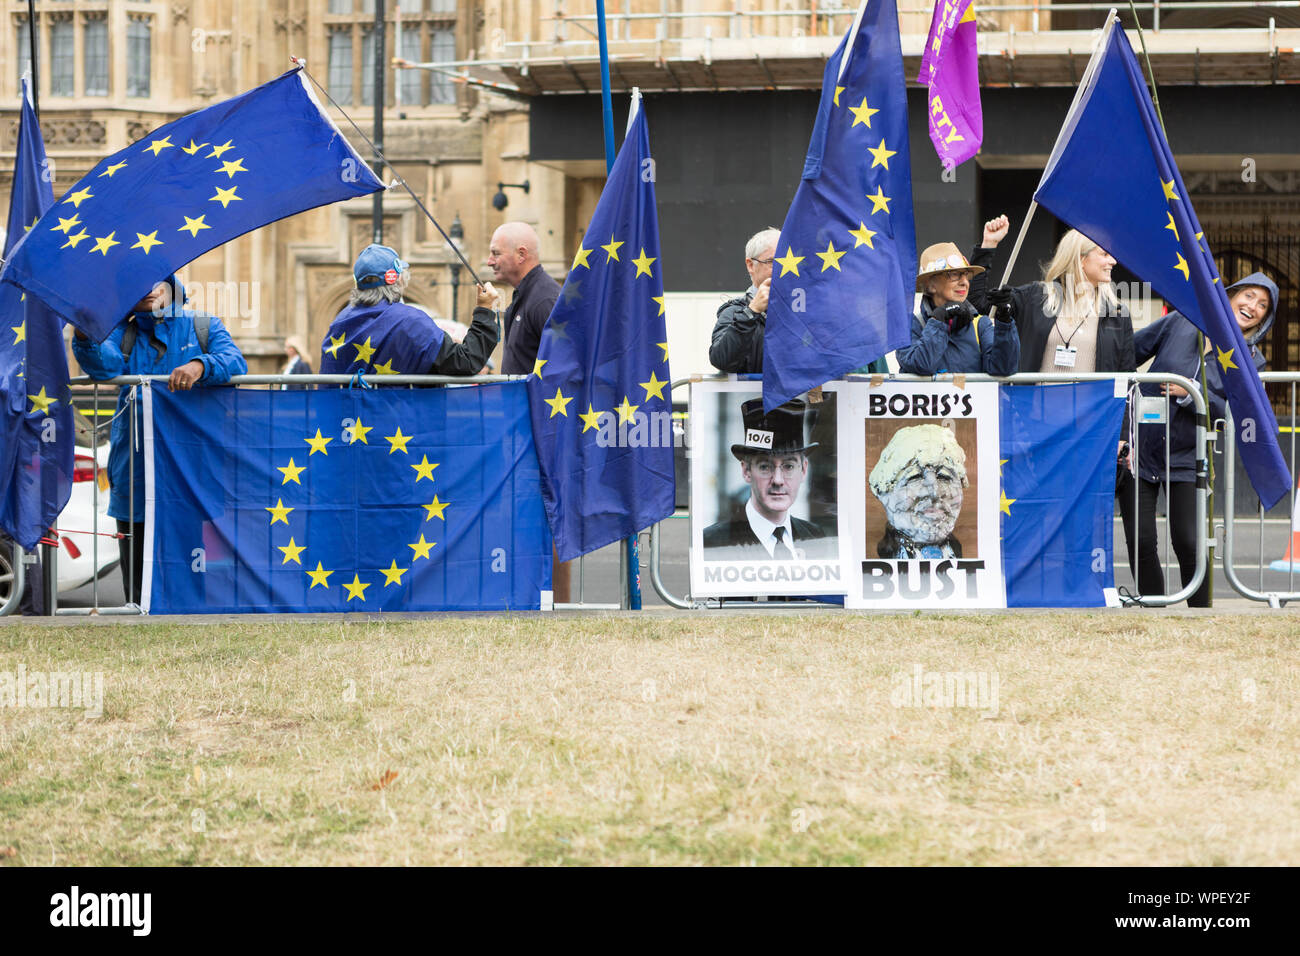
{"x": 515, "y": 259}
{"x": 774, "y": 462}
{"x": 378, "y": 332}
{"x": 738, "y": 336}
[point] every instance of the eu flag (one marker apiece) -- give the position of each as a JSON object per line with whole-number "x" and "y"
{"x": 1136, "y": 207}
{"x": 1058, "y": 492}
{"x": 36, "y": 437}
{"x": 344, "y": 500}
{"x": 600, "y": 392}
{"x": 842, "y": 296}
{"x": 185, "y": 188}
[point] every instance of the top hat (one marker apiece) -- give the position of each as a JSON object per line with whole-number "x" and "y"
{"x": 378, "y": 265}
{"x": 943, "y": 257}
{"x": 779, "y": 432}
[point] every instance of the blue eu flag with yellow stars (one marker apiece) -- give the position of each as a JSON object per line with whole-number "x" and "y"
{"x": 600, "y": 392}
{"x": 1135, "y": 206}
{"x": 344, "y": 500}
{"x": 842, "y": 281}
{"x": 36, "y": 437}
{"x": 187, "y": 187}
{"x": 1058, "y": 493}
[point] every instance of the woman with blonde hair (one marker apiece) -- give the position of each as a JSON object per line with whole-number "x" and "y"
{"x": 296, "y": 362}
{"x": 1072, "y": 321}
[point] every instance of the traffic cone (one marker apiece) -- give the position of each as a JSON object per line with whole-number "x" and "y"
{"x": 1291, "y": 560}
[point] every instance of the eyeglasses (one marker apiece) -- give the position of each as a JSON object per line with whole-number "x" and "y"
{"x": 762, "y": 262}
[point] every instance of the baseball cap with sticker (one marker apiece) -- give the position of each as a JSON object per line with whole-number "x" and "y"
{"x": 378, "y": 265}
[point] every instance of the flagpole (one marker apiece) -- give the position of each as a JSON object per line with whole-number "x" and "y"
{"x": 629, "y": 562}
{"x": 31, "y": 41}
{"x": 377, "y": 205}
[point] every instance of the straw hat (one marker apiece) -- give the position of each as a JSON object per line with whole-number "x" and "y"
{"x": 943, "y": 257}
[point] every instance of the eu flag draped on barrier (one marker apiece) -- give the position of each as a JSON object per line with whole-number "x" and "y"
{"x": 950, "y": 72}
{"x": 185, "y": 188}
{"x": 1136, "y": 207}
{"x": 344, "y": 500}
{"x": 1058, "y": 492}
{"x": 36, "y": 444}
{"x": 845, "y": 269}
{"x": 600, "y": 393}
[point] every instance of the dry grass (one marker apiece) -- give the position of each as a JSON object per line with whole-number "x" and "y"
{"x": 1120, "y": 738}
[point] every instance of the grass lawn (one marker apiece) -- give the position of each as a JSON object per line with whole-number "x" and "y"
{"x": 707, "y": 738}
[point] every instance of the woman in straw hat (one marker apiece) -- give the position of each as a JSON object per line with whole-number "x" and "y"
{"x": 948, "y": 334}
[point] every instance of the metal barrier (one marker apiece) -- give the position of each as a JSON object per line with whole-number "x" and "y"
{"x": 1133, "y": 379}
{"x": 1258, "y": 593}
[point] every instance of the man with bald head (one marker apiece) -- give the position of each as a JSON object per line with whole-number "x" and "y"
{"x": 515, "y": 259}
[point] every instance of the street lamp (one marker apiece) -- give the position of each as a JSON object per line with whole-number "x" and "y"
{"x": 457, "y": 236}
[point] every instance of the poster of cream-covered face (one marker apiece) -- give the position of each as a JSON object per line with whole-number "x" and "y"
{"x": 764, "y": 492}
{"x": 920, "y": 494}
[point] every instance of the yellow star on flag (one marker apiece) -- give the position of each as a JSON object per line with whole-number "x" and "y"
{"x": 66, "y": 224}
{"x": 73, "y": 240}
{"x": 830, "y": 258}
{"x": 398, "y": 441}
{"x": 110, "y": 170}
{"x": 881, "y": 155}
{"x": 291, "y": 552}
{"x": 386, "y": 368}
{"x": 291, "y": 472}
{"x": 364, "y": 351}
{"x": 879, "y": 201}
{"x": 862, "y": 235}
{"x": 611, "y": 250}
{"x": 862, "y": 113}
{"x": 660, "y": 300}
{"x": 626, "y": 410}
{"x": 643, "y": 263}
{"x": 1169, "y": 189}
{"x": 20, "y": 332}
{"x": 424, "y": 469}
{"x": 41, "y": 402}
{"x": 218, "y": 150}
{"x": 580, "y": 258}
{"x": 664, "y": 346}
{"x": 435, "y": 509}
{"x": 1006, "y": 503}
{"x": 537, "y": 366}
{"x": 421, "y": 548}
{"x": 319, "y": 576}
{"x": 147, "y": 242}
{"x": 358, "y": 433}
{"x": 333, "y": 347}
{"x": 1225, "y": 358}
{"x": 836, "y": 99}
{"x": 590, "y": 418}
{"x": 318, "y": 444}
{"x": 1181, "y": 266}
{"x": 393, "y": 574}
{"x": 1171, "y": 227}
{"x": 357, "y": 588}
{"x": 232, "y": 166}
{"x": 158, "y": 145}
{"x": 194, "y": 225}
{"x": 77, "y": 198}
{"x": 559, "y": 404}
{"x": 104, "y": 243}
{"x": 193, "y": 147}
{"x": 653, "y": 387}
{"x": 279, "y": 512}
{"x": 789, "y": 262}
{"x": 226, "y": 196}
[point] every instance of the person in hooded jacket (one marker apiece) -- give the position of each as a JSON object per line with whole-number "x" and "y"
{"x": 948, "y": 335}
{"x": 1173, "y": 344}
{"x": 159, "y": 337}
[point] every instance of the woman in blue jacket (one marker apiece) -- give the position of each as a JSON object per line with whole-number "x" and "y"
{"x": 159, "y": 337}
{"x": 1172, "y": 341}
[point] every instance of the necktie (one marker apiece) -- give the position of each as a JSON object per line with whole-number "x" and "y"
{"x": 781, "y": 551}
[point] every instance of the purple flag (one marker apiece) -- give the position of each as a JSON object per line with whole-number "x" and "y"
{"x": 950, "y": 68}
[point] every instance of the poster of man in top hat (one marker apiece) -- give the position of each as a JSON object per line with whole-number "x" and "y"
{"x": 763, "y": 488}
